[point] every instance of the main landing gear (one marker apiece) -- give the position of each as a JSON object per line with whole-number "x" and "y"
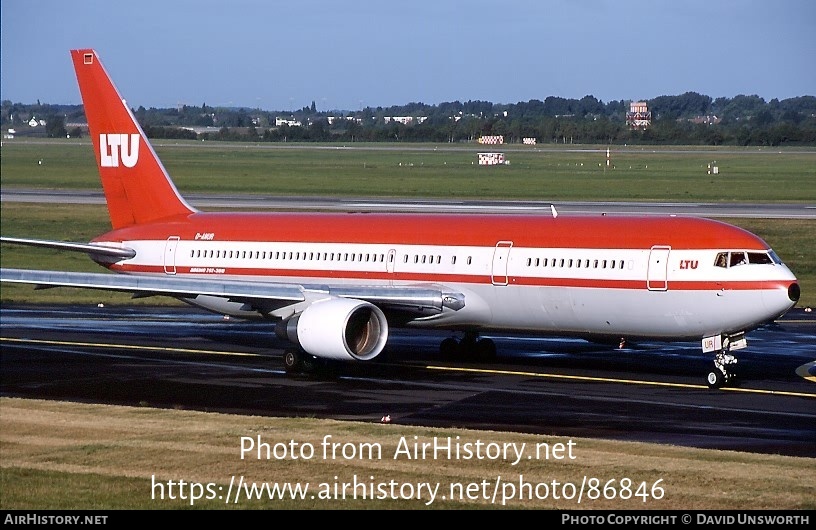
{"x": 723, "y": 372}
{"x": 297, "y": 361}
{"x": 468, "y": 347}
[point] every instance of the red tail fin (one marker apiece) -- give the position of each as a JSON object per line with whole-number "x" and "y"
{"x": 137, "y": 187}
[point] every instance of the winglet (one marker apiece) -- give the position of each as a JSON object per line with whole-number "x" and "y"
{"x": 137, "y": 188}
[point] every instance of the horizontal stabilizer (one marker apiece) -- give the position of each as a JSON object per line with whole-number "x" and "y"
{"x": 90, "y": 248}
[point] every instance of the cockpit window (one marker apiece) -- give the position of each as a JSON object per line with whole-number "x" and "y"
{"x": 759, "y": 257}
{"x": 722, "y": 260}
{"x": 735, "y": 258}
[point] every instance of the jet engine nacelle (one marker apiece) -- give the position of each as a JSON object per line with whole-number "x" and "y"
{"x": 338, "y": 328}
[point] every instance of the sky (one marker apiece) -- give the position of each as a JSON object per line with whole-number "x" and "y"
{"x": 345, "y": 55}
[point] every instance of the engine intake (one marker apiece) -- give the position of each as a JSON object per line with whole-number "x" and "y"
{"x": 338, "y": 328}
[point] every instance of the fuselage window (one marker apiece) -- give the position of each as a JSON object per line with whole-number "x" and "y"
{"x": 595, "y": 264}
{"x": 544, "y": 262}
{"x": 405, "y": 258}
{"x": 529, "y": 261}
{"x": 453, "y": 260}
{"x": 470, "y": 260}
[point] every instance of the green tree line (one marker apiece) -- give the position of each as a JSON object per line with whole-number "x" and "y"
{"x": 686, "y": 119}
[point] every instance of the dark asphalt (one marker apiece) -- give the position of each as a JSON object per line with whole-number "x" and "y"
{"x": 651, "y": 392}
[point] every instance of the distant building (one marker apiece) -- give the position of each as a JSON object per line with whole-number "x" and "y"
{"x": 405, "y": 120}
{"x": 639, "y": 116}
{"x": 284, "y": 121}
{"x": 705, "y": 120}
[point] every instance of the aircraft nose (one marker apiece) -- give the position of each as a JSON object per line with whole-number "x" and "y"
{"x": 794, "y": 292}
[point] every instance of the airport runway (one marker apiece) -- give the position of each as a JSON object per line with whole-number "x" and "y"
{"x": 653, "y": 392}
{"x": 270, "y": 202}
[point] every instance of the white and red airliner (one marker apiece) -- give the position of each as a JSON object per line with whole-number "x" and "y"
{"x": 333, "y": 283}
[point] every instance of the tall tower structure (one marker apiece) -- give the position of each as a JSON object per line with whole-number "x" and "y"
{"x": 639, "y": 115}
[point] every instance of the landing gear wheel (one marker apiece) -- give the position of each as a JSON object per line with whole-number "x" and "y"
{"x": 485, "y": 350}
{"x": 292, "y": 361}
{"x": 470, "y": 348}
{"x": 715, "y": 379}
{"x": 299, "y": 362}
{"x": 448, "y": 348}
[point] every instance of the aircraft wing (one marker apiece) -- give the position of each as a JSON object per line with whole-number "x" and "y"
{"x": 260, "y": 296}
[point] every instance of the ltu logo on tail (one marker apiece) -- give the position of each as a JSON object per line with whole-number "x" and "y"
{"x": 115, "y": 147}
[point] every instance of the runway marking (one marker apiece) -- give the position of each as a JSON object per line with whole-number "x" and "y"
{"x": 434, "y": 367}
{"x": 129, "y": 347}
{"x": 613, "y": 380}
{"x": 807, "y": 371}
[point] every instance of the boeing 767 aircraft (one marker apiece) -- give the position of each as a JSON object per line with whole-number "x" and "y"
{"x": 334, "y": 283}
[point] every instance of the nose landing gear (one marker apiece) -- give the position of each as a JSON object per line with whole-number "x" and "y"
{"x": 722, "y": 374}
{"x": 725, "y": 362}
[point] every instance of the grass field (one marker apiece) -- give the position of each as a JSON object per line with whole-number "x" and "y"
{"x": 82, "y": 456}
{"x": 421, "y": 170}
{"x": 545, "y": 173}
{"x": 79, "y": 456}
